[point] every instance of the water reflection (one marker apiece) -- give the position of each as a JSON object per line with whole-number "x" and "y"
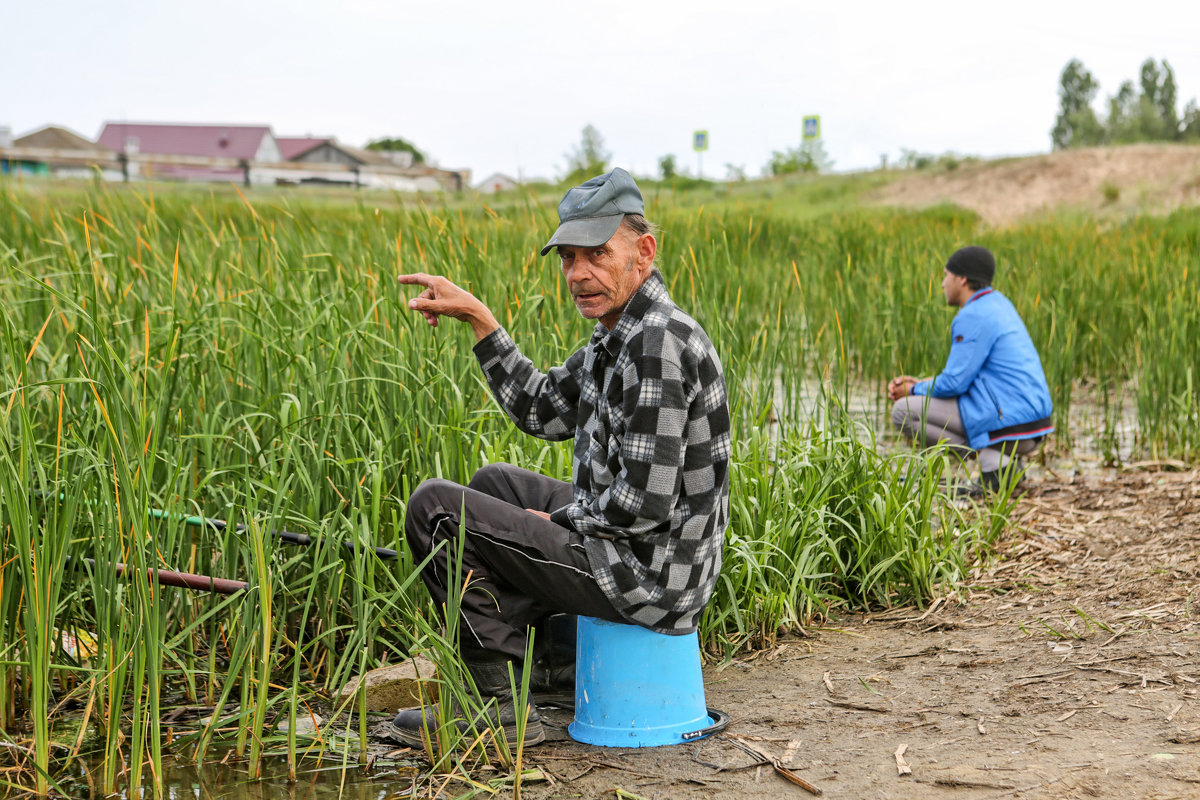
{"x": 186, "y": 781}
{"x": 1093, "y": 434}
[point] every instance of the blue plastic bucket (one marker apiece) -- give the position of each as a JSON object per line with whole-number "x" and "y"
{"x": 637, "y": 688}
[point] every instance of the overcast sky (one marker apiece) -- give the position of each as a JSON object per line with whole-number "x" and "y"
{"x": 508, "y": 86}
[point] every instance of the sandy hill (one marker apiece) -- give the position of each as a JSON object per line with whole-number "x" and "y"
{"x": 1105, "y": 181}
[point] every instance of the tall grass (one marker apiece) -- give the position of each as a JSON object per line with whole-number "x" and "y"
{"x": 253, "y": 359}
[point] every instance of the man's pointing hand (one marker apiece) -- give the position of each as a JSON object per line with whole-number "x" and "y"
{"x": 441, "y": 297}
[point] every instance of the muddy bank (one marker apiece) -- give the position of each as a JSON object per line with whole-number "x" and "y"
{"x": 1068, "y": 668}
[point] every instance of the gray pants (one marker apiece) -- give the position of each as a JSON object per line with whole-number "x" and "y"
{"x": 935, "y": 419}
{"x": 522, "y": 567}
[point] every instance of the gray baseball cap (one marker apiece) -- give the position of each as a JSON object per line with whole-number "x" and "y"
{"x": 590, "y": 213}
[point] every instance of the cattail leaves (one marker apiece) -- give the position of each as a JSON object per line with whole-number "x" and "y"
{"x": 251, "y": 357}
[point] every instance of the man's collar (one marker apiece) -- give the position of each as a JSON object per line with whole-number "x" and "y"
{"x": 652, "y": 290}
{"x": 978, "y": 294}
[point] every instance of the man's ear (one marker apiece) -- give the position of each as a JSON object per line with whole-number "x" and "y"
{"x": 647, "y": 249}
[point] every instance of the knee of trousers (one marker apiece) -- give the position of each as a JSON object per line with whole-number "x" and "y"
{"x": 432, "y": 499}
{"x": 488, "y": 475}
{"x": 901, "y": 413}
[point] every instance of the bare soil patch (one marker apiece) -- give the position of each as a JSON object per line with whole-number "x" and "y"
{"x": 1068, "y": 668}
{"x": 1147, "y": 178}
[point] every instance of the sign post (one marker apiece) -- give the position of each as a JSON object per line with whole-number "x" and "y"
{"x": 812, "y": 127}
{"x": 700, "y": 144}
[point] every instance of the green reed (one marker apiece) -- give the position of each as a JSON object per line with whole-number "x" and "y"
{"x": 253, "y": 359}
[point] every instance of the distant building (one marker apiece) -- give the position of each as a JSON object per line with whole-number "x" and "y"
{"x": 55, "y": 151}
{"x": 242, "y": 142}
{"x": 496, "y": 182}
{"x": 292, "y": 146}
{"x": 329, "y": 151}
{"x": 247, "y": 154}
{"x": 54, "y": 137}
{"x": 185, "y": 145}
{"x": 401, "y": 158}
{"x": 374, "y": 169}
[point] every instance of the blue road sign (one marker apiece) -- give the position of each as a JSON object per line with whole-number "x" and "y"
{"x": 812, "y": 127}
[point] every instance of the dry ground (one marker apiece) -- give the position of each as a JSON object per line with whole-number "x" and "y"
{"x": 1069, "y": 668}
{"x": 1147, "y": 178}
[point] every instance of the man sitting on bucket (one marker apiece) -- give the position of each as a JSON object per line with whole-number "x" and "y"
{"x": 991, "y": 398}
{"x": 636, "y": 536}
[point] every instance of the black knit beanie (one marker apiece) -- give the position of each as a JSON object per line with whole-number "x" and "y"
{"x": 974, "y": 262}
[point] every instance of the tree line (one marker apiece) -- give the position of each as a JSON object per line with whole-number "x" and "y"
{"x": 1145, "y": 111}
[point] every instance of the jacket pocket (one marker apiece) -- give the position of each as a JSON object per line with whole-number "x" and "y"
{"x": 995, "y": 403}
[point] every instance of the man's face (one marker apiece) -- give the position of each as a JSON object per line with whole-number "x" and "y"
{"x": 602, "y": 279}
{"x": 954, "y": 287}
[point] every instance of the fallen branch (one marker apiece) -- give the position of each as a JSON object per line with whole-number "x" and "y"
{"x": 780, "y": 770}
{"x": 856, "y": 706}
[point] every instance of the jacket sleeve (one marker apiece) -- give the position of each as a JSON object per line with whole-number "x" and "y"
{"x": 546, "y": 404}
{"x": 970, "y": 343}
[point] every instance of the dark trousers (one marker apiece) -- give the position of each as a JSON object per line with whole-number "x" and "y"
{"x": 521, "y": 567}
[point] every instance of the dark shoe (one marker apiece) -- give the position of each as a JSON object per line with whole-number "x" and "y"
{"x": 547, "y": 677}
{"x": 490, "y": 673}
{"x": 1010, "y": 474}
{"x": 962, "y": 491}
{"x": 414, "y": 726}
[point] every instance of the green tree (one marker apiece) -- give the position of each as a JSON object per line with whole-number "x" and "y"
{"x": 1190, "y": 125}
{"x": 589, "y": 158}
{"x": 1125, "y": 117}
{"x": 813, "y": 152}
{"x": 1159, "y": 118}
{"x": 1167, "y": 99}
{"x": 912, "y": 159}
{"x": 1145, "y": 112}
{"x": 784, "y": 162}
{"x": 808, "y": 157}
{"x": 1076, "y": 124}
{"x": 397, "y": 145}
{"x": 668, "y": 167}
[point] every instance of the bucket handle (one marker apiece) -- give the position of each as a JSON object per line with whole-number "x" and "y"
{"x": 720, "y": 722}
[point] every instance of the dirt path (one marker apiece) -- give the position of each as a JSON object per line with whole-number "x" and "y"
{"x": 1069, "y": 669}
{"x": 1107, "y": 182}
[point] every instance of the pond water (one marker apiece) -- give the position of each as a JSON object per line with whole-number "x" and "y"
{"x": 185, "y": 781}
{"x": 1092, "y": 440}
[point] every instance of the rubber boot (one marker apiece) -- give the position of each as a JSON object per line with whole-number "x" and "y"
{"x": 413, "y": 726}
{"x": 1009, "y": 474}
{"x": 553, "y": 671}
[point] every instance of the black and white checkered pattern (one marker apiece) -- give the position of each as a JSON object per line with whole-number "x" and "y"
{"x": 647, "y": 407}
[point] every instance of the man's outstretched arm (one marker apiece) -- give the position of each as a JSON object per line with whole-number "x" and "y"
{"x": 443, "y": 298}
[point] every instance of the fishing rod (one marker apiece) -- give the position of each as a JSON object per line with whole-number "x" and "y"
{"x": 166, "y": 577}
{"x": 287, "y": 537}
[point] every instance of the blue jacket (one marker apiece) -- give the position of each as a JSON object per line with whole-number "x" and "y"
{"x": 994, "y": 371}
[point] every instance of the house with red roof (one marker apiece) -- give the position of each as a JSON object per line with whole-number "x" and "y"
{"x": 247, "y": 154}
{"x": 241, "y": 142}
{"x": 293, "y": 146}
{"x": 230, "y": 147}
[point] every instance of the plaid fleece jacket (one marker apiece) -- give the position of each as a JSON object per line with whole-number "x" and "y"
{"x": 646, "y": 405}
